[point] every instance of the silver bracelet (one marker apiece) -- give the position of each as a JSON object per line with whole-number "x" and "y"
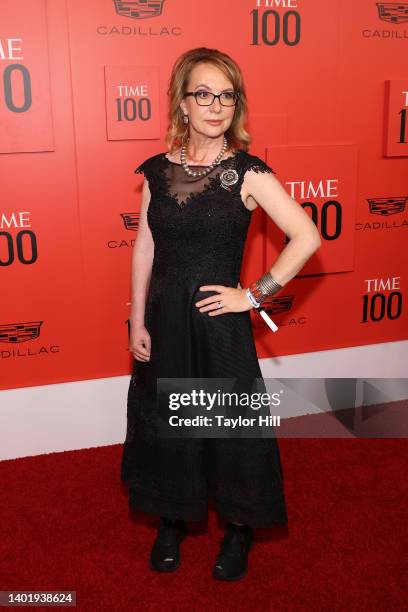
{"x": 268, "y": 285}
{"x": 264, "y": 287}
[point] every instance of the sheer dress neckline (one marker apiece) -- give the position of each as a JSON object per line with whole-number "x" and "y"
{"x": 202, "y": 165}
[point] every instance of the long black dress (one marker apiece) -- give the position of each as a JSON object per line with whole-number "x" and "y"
{"x": 199, "y": 230}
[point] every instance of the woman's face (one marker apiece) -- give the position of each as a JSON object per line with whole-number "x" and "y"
{"x": 206, "y": 77}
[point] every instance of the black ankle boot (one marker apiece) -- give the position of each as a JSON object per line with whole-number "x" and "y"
{"x": 165, "y": 554}
{"x": 232, "y": 560}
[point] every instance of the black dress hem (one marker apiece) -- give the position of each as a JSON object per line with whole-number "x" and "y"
{"x": 197, "y": 510}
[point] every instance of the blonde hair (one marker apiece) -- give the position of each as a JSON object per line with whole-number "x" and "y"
{"x": 177, "y": 131}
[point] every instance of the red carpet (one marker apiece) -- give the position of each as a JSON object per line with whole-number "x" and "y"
{"x": 65, "y": 525}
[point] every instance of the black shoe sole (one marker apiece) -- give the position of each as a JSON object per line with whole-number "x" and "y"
{"x": 217, "y": 577}
{"x": 169, "y": 567}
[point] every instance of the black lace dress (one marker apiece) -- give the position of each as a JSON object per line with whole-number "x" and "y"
{"x": 199, "y": 230}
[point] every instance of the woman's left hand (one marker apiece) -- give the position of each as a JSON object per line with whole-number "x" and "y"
{"x": 232, "y": 300}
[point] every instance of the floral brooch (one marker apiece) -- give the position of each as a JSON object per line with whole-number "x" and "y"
{"x": 228, "y": 177}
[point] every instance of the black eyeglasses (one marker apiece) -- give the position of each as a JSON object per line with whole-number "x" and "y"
{"x": 206, "y": 98}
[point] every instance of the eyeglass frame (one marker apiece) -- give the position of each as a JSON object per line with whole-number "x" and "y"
{"x": 195, "y": 93}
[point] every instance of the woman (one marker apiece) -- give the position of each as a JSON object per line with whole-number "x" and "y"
{"x": 190, "y": 315}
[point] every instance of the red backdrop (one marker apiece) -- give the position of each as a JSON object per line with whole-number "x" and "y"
{"x": 83, "y": 101}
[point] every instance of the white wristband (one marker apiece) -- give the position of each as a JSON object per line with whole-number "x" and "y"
{"x": 262, "y": 312}
{"x": 252, "y": 299}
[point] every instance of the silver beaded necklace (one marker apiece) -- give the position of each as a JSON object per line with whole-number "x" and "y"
{"x": 187, "y": 169}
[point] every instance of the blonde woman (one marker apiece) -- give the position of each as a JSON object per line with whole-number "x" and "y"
{"x": 190, "y": 316}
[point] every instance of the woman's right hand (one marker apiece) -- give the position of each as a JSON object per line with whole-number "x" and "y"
{"x": 139, "y": 343}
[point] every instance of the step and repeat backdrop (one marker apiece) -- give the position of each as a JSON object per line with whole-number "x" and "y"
{"x": 83, "y": 101}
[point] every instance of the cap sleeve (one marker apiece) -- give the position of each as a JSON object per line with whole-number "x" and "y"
{"x": 144, "y": 168}
{"x": 258, "y": 165}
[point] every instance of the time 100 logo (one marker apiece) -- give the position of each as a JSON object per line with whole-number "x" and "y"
{"x": 269, "y": 27}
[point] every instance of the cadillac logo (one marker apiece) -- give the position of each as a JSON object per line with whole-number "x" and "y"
{"x": 393, "y": 12}
{"x": 276, "y": 305}
{"x": 131, "y": 220}
{"x": 228, "y": 178}
{"x": 386, "y": 206}
{"x": 14, "y": 333}
{"x": 141, "y": 9}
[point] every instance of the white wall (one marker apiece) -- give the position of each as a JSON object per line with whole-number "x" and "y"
{"x": 84, "y": 414}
